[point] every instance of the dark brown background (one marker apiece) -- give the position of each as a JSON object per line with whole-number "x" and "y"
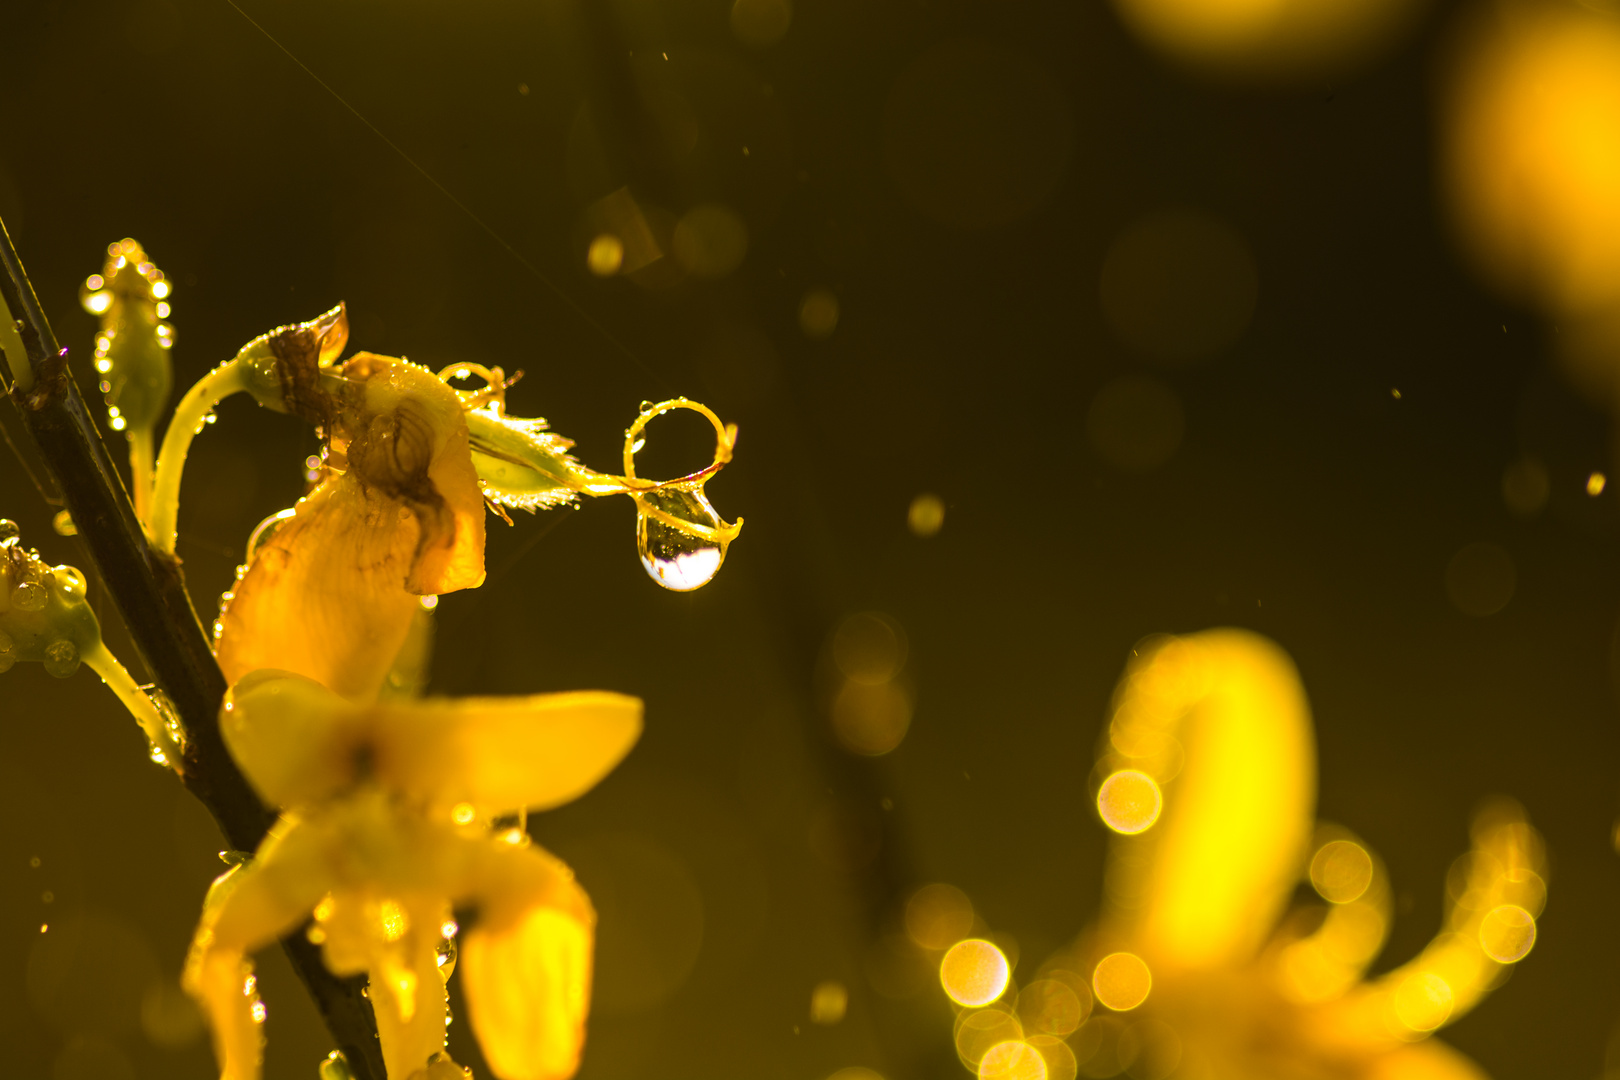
{"x": 1305, "y": 501}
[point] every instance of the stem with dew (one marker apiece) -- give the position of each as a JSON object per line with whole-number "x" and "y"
{"x": 118, "y": 680}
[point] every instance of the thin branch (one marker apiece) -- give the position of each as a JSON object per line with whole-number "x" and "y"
{"x": 150, "y": 594}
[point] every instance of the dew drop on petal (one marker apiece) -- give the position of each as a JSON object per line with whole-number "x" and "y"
{"x": 61, "y": 659}
{"x": 676, "y": 559}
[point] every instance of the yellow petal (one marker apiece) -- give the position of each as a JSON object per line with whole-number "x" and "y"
{"x": 324, "y": 595}
{"x": 296, "y": 741}
{"x": 411, "y": 442}
{"x": 1429, "y": 1060}
{"x": 246, "y": 910}
{"x": 1237, "y": 820}
{"x": 331, "y": 593}
{"x": 526, "y": 965}
{"x": 504, "y": 754}
{"x": 409, "y": 1000}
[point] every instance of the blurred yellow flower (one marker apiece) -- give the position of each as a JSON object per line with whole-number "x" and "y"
{"x": 387, "y": 830}
{"x": 1200, "y": 966}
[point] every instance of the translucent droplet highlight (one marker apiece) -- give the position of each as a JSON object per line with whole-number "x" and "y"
{"x": 675, "y": 558}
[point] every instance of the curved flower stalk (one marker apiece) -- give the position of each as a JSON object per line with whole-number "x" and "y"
{"x": 1207, "y": 777}
{"x": 387, "y": 830}
{"x": 132, "y": 353}
{"x": 518, "y": 463}
{"x": 45, "y": 618}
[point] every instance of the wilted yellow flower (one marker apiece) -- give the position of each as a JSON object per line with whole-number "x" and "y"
{"x": 1207, "y": 776}
{"x": 386, "y": 831}
{"x": 330, "y": 590}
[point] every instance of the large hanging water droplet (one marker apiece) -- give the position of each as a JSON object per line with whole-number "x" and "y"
{"x": 71, "y": 582}
{"x": 8, "y": 530}
{"x": 29, "y": 596}
{"x": 677, "y": 559}
{"x": 61, "y": 659}
{"x": 8, "y": 652}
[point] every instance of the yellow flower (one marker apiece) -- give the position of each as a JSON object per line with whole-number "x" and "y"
{"x": 1207, "y": 776}
{"x": 330, "y": 589}
{"x": 386, "y": 832}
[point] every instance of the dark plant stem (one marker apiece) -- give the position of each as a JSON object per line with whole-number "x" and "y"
{"x": 150, "y": 594}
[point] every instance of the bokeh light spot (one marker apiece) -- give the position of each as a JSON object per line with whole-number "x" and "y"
{"x": 974, "y": 972}
{"x": 869, "y": 648}
{"x": 1596, "y": 483}
{"x": 1480, "y": 579}
{"x": 1341, "y": 871}
{"x": 938, "y": 916}
{"x": 1012, "y": 1060}
{"x": 926, "y": 515}
{"x": 1525, "y": 487}
{"x": 1121, "y": 981}
{"x": 1179, "y": 287}
{"x": 711, "y": 240}
{"x": 977, "y": 1031}
{"x": 605, "y": 255}
{"x": 818, "y": 314}
{"x": 871, "y": 720}
{"x": 1507, "y": 933}
{"x": 761, "y": 23}
{"x": 1060, "y": 1060}
{"x": 1129, "y": 801}
{"x": 1136, "y": 423}
{"x": 1051, "y": 1007}
{"x": 1423, "y": 1001}
{"x": 829, "y": 1001}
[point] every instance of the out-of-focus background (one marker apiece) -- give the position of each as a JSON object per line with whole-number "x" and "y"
{"x": 1047, "y": 326}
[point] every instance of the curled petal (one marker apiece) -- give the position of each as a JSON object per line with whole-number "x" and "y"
{"x": 526, "y": 965}
{"x": 1236, "y": 822}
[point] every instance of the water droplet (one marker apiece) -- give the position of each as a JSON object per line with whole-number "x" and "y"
{"x": 29, "y": 596}
{"x": 446, "y": 955}
{"x": 63, "y": 524}
{"x": 677, "y": 559}
{"x": 646, "y": 407}
{"x": 71, "y": 582}
{"x": 8, "y": 530}
{"x": 61, "y": 659}
{"x": 211, "y": 418}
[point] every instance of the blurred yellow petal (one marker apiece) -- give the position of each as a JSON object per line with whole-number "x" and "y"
{"x": 505, "y": 754}
{"x": 245, "y": 910}
{"x": 410, "y": 1001}
{"x": 299, "y": 743}
{"x": 1428, "y": 1060}
{"x": 292, "y": 737}
{"x": 526, "y": 966}
{"x": 1233, "y": 835}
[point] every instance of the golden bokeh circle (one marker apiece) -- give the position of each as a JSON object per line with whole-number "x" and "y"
{"x": 1121, "y": 981}
{"x": 1129, "y": 801}
{"x": 974, "y": 972}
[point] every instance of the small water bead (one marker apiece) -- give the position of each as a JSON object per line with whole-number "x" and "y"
{"x": 71, "y": 582}
{"x": 63, "y": 524}
{"x": 61, "y": 659}
{"x": 8, "y": 530}
{"x": 29, "y": 596}
{"x": 676, "y": 559}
